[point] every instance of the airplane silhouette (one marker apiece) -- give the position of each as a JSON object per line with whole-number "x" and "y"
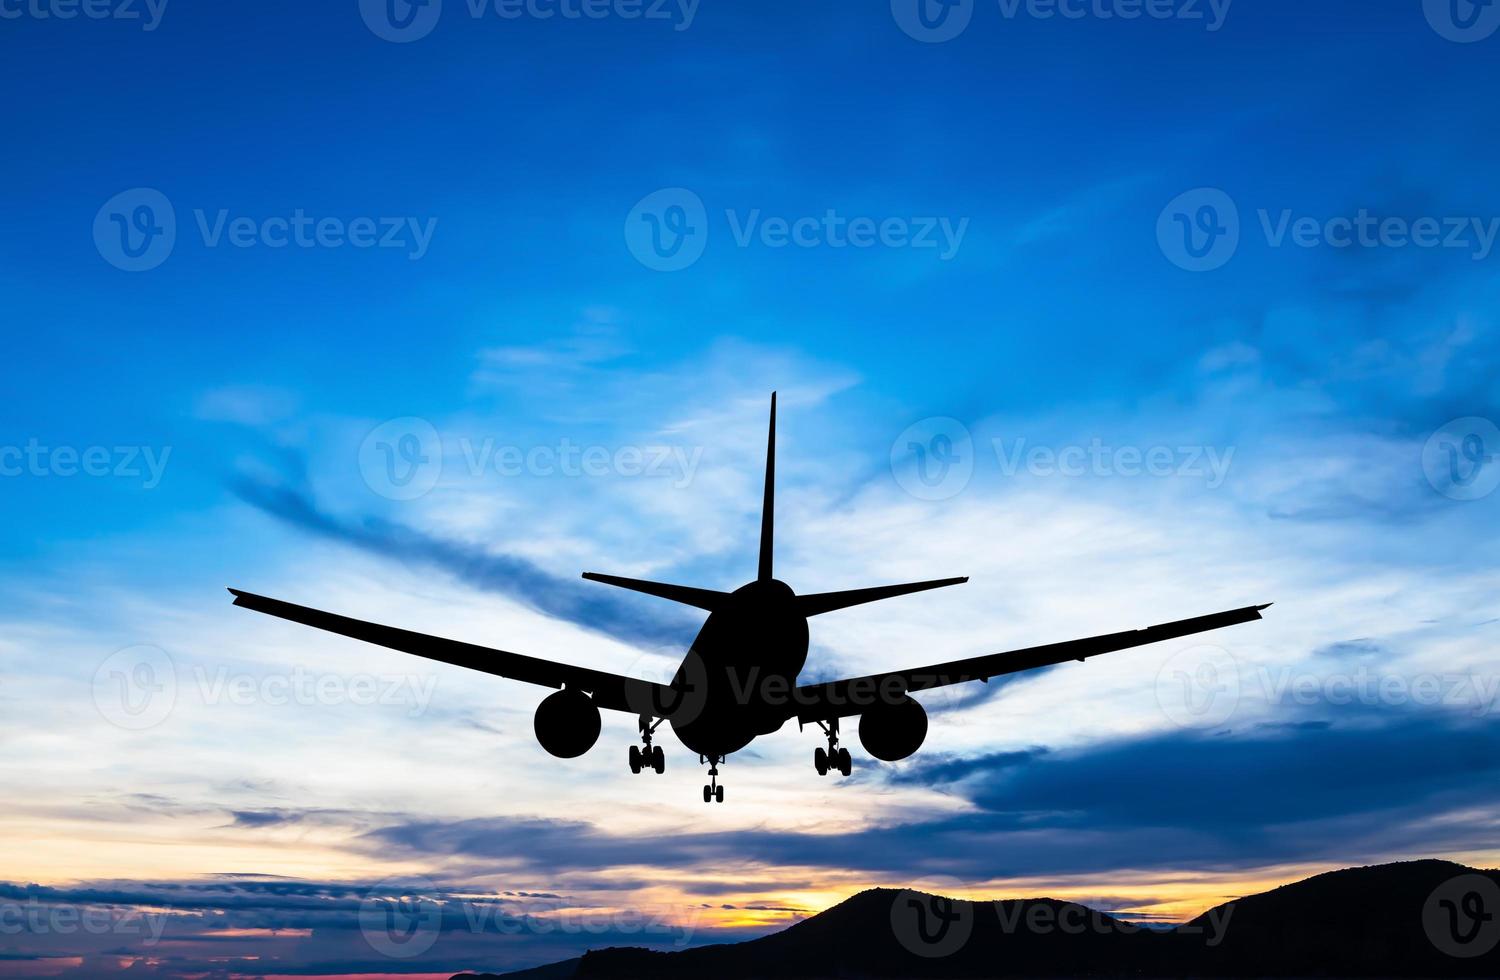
{"x": 738, "y": 680}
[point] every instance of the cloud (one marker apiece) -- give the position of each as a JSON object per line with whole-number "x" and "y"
{"x": 237, "y": 926}
{"x": 247, "y": 405}
{"x": 585, "y": 604}
{"x": 1367, "y": 788}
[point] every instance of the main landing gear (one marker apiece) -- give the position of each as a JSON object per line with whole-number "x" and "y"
{"x": 713, "y": 792}
{"x": 833, "y": 757}
{"x": 650, "y": 757}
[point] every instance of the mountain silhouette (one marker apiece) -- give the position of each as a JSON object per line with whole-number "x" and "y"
{"x": 1412, "y": 919}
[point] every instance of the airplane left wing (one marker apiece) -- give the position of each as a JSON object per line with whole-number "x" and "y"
{"x": 840, "y": 699}
{"x": 609, "y": 690}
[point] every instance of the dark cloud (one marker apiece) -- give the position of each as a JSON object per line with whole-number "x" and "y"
{"x": 223, "y": 927}
{"x": 1352, "y": 648}
{"x": 264, "y": 818}
{"x": 1362, "y": 788}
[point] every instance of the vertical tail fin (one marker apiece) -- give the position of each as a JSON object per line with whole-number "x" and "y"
{"x": 768, "y": 505}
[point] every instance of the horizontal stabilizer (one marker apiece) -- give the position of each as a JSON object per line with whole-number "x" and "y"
{"x": 685, "y": 594}
{"x": 822, "y": 602}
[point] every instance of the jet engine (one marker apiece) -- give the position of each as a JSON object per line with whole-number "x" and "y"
{"x": 567, "y": 723}
{"x": 893, "y": 731}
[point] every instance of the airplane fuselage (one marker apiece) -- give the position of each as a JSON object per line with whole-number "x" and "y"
{"x": 738, "y": 676}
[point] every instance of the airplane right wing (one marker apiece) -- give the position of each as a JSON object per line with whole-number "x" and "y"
{"x": 840, "y": 699}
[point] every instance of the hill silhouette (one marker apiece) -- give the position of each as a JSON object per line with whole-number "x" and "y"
{"x": 1413, "y": 919}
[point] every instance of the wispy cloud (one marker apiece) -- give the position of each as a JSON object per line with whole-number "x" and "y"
{"x": 586, "y": 604}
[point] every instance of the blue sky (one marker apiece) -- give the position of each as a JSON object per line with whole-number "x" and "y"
{"x": 1305, "y": 395}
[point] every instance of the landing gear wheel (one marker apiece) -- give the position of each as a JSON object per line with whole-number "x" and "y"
{"x": 833, "y": 757}
{"x": 648, "y": 756}
{"x": 713, "y": 792}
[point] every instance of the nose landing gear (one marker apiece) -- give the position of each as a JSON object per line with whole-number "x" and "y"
{"x": 651, "y": 757}
{"x": 833, "y": 757}
{"x": 713, "y": 792}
